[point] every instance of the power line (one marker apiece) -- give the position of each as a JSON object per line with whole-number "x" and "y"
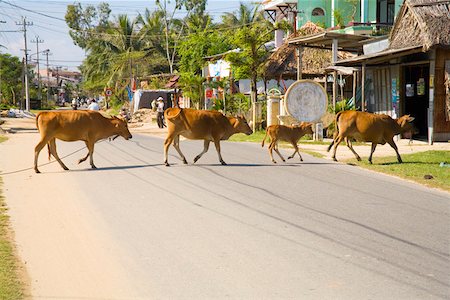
{"x": 32, "y": 11}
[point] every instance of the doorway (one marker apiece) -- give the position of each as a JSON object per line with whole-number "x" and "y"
{"x": 416, "y": 95}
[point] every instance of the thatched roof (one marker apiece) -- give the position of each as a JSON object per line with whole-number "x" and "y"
{"x": 283, "y": 62}
{"x": 422, "y": 23}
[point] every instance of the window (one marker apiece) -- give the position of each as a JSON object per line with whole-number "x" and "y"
{"x": 385, "y": 11}
{"x": 318, "y": 12}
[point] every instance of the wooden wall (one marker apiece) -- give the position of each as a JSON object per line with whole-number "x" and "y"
{"x": 441, "y": 124}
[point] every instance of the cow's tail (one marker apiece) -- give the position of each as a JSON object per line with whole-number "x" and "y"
{"x": 264, "y": 139}
{"x": 336, "y": 132}
{"x": 166, "y": 114}
{"x": 179, "y": 115}
{"x": 37, "y": 121}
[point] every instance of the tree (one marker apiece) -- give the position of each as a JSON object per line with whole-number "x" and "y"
{"x": 251, "y": 40}
{"x": 11, "y": 83}
{"x": 198, "y": 45}
{"x": 192, "y": 86}
{"x": 245, "y": 15}
{"x": 174, "y": 28}
{"x": 86, "y": 23}
{"x": 112, "y": 55}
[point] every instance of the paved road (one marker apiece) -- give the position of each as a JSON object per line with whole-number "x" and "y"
{"x": 134, "y": 229}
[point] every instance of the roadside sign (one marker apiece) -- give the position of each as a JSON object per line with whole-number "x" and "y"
{"x": 108, "y": 92}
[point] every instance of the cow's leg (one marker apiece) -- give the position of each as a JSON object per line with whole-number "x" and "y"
{"x": 90, "y": 147}
{"x": 350, "y": 146}
{"x": 167, "y": 143}
{"x": 374, "y": 145}
{"x": 52, "y": 147}
{"x": 217, "y": 144}
{"x": 86, "y": 157}
{"x": 270, "y": 148}
{"x": 393, "y": 145}
{"x": 37, "y": 150}
{"x": 296, "y": 151}
{"x": 337, "y": 141}
{"x": 176, "y": 145}
{"x": 278, "y": 152}
{"x": 205, "y": 149}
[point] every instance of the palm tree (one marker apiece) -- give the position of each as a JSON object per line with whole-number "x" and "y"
{"x": 113, "y": 53}
{"x": 244, "y": 16}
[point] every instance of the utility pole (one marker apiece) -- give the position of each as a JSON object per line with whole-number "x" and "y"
{"x": 38, "y": 41}
{"x": 27, "y": 93}
{"x": 57, "y": 81}
{"x": 1, "y": 93}
{"x": 47, "y": 53}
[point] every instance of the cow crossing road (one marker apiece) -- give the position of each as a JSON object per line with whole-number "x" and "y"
{"x": 134, "y": 229}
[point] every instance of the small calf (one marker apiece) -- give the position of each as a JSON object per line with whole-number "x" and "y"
{"x": 291, "y": 134}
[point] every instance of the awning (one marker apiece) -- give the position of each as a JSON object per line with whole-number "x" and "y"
{"x": 379, "y": 57}
{"x": 324, "y": 40}
{"x": 341, "y": 70}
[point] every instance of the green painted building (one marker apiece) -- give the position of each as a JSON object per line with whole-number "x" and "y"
{"x": 345, "y": 11}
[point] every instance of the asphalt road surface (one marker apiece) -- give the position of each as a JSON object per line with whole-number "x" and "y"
{"x": 135, "y": 229}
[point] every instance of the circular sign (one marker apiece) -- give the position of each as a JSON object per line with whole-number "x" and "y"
{"x": 108, "y": 92}
{"x": 306, "y": 100}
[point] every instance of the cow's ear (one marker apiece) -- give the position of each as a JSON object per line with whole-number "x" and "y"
{"x": 410, "y": 119}
{"x": 117, "y": 125}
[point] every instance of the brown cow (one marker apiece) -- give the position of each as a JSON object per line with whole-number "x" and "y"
{"x": 76, "y": 125}
{"x": 207, "y": 125}
{"x": 291, "y": 134}
{"x": 368, "y": 127}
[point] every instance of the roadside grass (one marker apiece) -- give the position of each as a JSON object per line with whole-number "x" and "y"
{"x": 415, "y": 167}
{"x": 258, "y": 136}
{"x": 3, "y": 138}
{"x": 11, "y": 287}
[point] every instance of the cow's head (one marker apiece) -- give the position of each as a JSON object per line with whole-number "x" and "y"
{"x": 305, "y": 127}
{"x": 241, "y": 125}
{"x": 405, "y": 123}
{"x": 121, "y": 127}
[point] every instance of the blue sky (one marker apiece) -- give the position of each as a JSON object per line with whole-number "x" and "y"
{"x": 54, "y": 32}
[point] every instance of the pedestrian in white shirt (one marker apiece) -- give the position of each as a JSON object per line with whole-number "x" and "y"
{"x": 160, "y": 110}
{"x": 94, "y": 105}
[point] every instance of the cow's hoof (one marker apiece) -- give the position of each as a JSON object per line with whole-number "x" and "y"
{"x": 301, "y": 159}
{"x": 185, "y": 162}
{"x": 290, "y": 157}
{"x": 166, "y": 164}
{"x": 196, "y": 158}
{"x": 93, "y": 167}
{"x": 80, "y": 161}
{"x": 223, "y": 163}
{"x": 370, "y": 162}
{"x": 334, "y": 158}
{"x": 37, "y": 171}
{"x": 274, "y": 161}
{"x": 66, "y": 168}
{"x": 358, "y": 158}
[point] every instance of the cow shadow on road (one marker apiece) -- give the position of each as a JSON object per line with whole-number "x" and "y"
{"x": 116, "y": 168}
{"x": 293, "y": 164}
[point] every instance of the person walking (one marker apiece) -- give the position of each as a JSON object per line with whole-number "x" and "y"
{"x": 160, "y": 111}
{"x": 93, "y": 105}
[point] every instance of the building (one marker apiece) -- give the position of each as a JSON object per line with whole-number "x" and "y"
{"x": 409, "y": 73}
{"x": 331, "y": 13}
